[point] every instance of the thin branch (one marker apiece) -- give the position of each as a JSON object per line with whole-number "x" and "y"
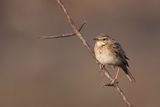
{"x": 58, "y": 36}
{"x": 84, "y": 23}
{"x": 64, "y": 35}
{"x": 118, "y": 89}
{"x": 79, "y": 35}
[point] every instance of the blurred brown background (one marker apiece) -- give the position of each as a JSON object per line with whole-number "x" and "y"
{"x": 61, "y": 73}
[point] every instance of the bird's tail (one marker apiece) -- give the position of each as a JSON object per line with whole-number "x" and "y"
{"x": 130, "y": 77}
{"x": 128, "y": 73}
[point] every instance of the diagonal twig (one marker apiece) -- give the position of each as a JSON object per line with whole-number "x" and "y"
{"x": 71, "y": 22}
{"x": 64, "y": 35}
{"x": 118, "y": 89}
{"x": 79, "y": 35}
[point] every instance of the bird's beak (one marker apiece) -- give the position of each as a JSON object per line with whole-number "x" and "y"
{"x": 95, "y": 39}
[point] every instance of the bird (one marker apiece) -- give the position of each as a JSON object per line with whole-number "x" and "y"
{"x": 109, "y": 52}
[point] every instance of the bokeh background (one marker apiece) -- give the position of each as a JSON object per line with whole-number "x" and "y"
{"x": 36, "y": 72}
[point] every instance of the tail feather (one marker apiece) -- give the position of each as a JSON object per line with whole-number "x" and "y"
{"x": 128, "y": 73}
{"x": 130, "y": 77}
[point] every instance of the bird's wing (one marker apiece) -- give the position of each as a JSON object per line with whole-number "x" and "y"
{"x": 124, "y": 65}
{"x": 121, "y": 53}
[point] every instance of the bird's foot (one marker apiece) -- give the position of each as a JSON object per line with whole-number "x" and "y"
{"x": 113, "y": 83}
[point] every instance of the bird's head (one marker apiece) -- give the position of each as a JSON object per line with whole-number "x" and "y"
{"x": 102, "y": 39}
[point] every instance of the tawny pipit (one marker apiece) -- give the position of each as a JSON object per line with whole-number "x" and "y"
{"x": 109, "y": 52}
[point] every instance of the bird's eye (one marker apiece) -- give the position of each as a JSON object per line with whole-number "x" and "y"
{"x": 104, "y": 39}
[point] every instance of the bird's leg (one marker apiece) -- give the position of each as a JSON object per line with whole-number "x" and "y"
{"x": 114, "y": 81}
{"x": 101, "y": 66}
{"x": 115, "y": 78}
